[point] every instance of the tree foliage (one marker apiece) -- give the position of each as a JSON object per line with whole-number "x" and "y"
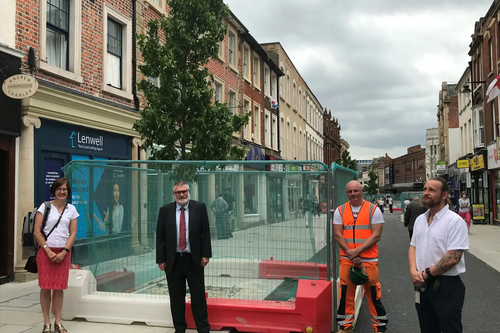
{"x": 372, "y": 186}
{"x": 346, "y": 161}
{"x": 180, "y": 121}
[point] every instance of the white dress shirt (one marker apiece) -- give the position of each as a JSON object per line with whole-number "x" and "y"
{"x": 447, "y": 232}
{"x": 178, "y": 223}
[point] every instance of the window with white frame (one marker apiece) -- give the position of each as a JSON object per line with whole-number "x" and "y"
{"x": 282, "y": 91}
{"x": 247, "y": 130}
{"x": 299, "y": 101}
{"x": 304, "y": 106}
{"x": 256, "y": 122}
{"x": 246, "y": 63}
{"x": 289, "y": 141}
{"x": 273, "y": 86}
{"x": 60, "y": 36}
{"x": 221, "y": 50}
{"x": 287, "y": 88}
{"x": 478, "y": 125}
{"x": 231, "y": 45}
{"x": 267, "y": 78}
{"x": 256, "y": 71}
{"x": 57, "y": 38}
{"x": 282, "y": 136}
{"x": 299, "y": 143}
{"x": 218, "y": 92}
{"x": 117, "y": 73}
{"x": 275, "y": 132}
{"x": 295, "y": 142}
{"x": 294, "y": 95}
{"x": 232, "y": 102}
{"x": 115, "y": 48}
{"x": 267, "y": 128}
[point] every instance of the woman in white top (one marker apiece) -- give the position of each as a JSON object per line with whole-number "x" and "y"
{"x": 464, "y": 209}
{"x": 115, "y": 224}
{"x": 54, "y": 256}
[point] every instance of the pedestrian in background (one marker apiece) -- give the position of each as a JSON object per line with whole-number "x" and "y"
{"x": 183, "y": 250}
{"x": 369, "y": 223}
{"x": 381, "y": 204}
{"x": 464, "y": 209}
{"x": 436, "y": 262}
{"x": 54, "y": 256}
{"x": 390, "y": 204}
{"x": 414, "y": 210}
{"x": 219, "y": 207}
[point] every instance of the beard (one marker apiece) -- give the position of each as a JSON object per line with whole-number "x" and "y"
{"x": 429, "y": 203}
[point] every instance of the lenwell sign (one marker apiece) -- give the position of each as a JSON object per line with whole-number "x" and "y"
{"x": 20, "y": 86}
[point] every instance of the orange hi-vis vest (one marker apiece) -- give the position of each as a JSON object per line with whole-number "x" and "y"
{"x": 357, "y": 232}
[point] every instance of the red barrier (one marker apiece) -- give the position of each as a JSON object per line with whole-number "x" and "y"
{"x": 279, "y": 269}
{"x": 312, "y": 309}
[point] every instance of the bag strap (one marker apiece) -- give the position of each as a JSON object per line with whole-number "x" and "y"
{"x": 59, "y": 220}
{"x": 44, "y": 222}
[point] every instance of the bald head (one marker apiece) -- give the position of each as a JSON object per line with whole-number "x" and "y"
{"x": 354, "y": 192}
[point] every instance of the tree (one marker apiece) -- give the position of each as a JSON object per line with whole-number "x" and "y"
{"x": 180, "y": 121}
{"x": 346, "y": 161}
{"x": 372, "y": 186}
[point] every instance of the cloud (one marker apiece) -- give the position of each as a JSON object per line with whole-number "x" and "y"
{"x": 378, "y": 65}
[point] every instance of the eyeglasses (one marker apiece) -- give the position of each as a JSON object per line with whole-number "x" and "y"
{"x": 62, "y": 190}
{"x": 181, "y": 192}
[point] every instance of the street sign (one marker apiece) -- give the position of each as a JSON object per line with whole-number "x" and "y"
{"x": 462, "y": 164}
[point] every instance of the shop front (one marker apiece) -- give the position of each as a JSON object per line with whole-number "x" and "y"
{"x": 275, "y": 186}
{"x": 96, "y": 195}
{"x": 479, "y": 193}
{"x": 494, "y": 169}
{"x": 10, "y": 130}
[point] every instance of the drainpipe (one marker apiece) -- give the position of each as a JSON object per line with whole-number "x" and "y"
{"x": 134, "y": 55}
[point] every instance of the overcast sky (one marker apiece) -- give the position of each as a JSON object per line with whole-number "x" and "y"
{"x": 377, "y": 64}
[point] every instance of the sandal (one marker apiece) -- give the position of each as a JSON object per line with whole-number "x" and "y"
{"x": 59, "y": 328}
{"x": 46, "y": 329}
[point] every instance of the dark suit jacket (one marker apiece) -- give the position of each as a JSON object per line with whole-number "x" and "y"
{"x": 199, "y": 234}
{"x": 413, "y": 211}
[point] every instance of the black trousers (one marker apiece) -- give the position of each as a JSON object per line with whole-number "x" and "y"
{"x": 440, "y": 308}
{"x": 182, "y": 270}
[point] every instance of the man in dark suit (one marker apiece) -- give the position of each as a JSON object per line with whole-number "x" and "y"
{"x": 414, "y": 210}
{"x": 183, "y": 249}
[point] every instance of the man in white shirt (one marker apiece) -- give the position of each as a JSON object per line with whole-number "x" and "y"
{"x": 436, "y": 262}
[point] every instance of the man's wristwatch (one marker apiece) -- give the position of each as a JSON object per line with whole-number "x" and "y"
{"x": 428, "y": 272}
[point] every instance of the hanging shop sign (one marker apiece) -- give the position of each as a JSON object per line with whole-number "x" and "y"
{"x": 441, "y": 167}
{"x": 477, "y": 163}
{"x": 20, "y": 86}
{"x": 493, "y": 161}
{"x": 462, "y": 164}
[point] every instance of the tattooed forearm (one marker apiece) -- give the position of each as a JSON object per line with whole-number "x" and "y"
{"x": 450, "y": 259}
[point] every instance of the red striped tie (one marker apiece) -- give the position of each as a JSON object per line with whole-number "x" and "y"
{"x": 182, "y": 231}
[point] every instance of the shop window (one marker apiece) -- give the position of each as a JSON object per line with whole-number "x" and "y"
{"x": 251, "y": 183}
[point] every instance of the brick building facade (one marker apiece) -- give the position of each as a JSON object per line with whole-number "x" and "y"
{"x": 331, "y": 132}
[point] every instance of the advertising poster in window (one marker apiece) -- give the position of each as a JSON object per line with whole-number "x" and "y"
{"x": 51, "y": 171}
{"x": 478, "y": 212}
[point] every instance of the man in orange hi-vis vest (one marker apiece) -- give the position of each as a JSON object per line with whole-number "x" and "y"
{"x": 357, "y": 228}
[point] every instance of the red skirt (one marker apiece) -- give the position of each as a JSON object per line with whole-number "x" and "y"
{"x": 52, "y": 275}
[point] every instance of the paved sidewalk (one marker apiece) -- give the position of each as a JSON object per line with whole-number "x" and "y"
{"x": 484, "y": 244}
{"x": 20, "y": 306}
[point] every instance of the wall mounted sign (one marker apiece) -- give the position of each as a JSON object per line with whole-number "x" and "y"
{"x": 477, "y": 163}
{"x": 20, "y": 86}
{"x": 462, "y": 164}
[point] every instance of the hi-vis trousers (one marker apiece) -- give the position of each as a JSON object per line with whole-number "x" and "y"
{"x": 345, "y": 313}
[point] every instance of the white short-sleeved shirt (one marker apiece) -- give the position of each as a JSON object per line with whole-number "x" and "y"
{"x": 446, "y": 232}
{"x": 377, "y": 217}
{"x": 60, "y": 234}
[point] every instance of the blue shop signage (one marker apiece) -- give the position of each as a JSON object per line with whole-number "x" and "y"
{"x": 83, "y": 140}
